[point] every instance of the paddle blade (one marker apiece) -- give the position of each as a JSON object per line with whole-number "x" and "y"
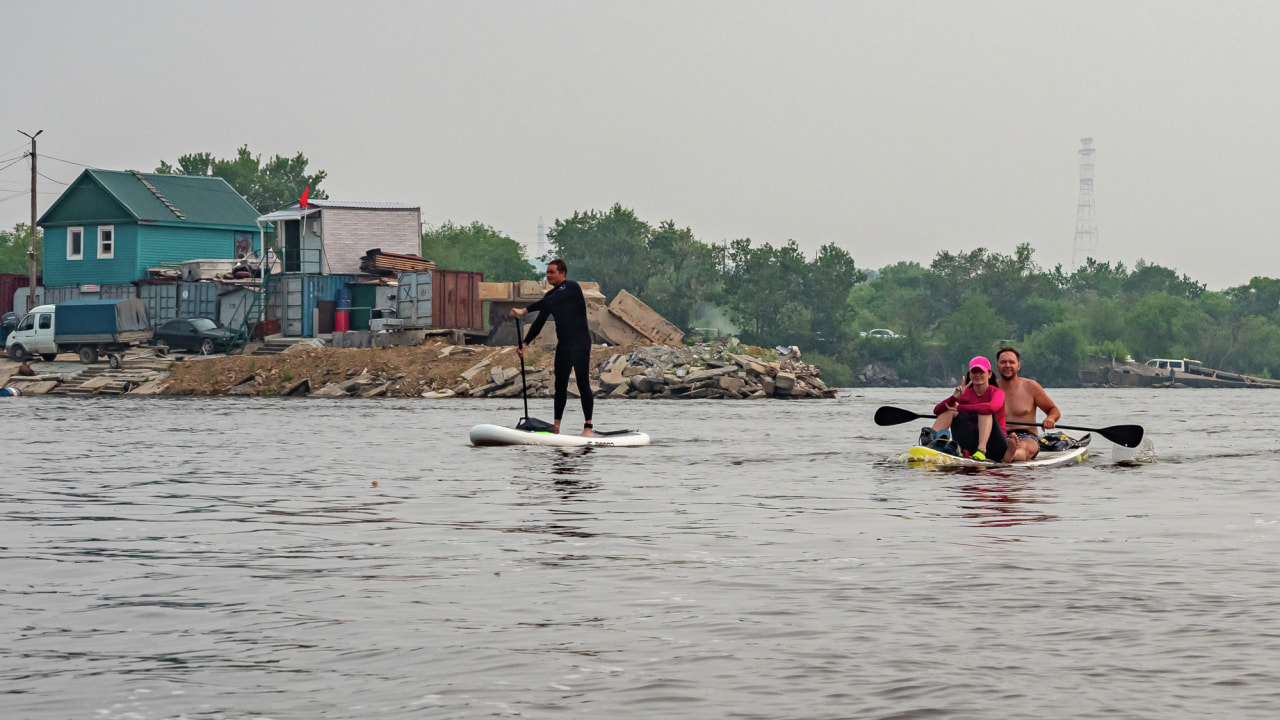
{"x": 887, "y": 415}
{"x": 1129, "y": 436}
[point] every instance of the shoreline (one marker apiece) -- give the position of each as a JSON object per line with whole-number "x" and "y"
{"x": 439, "y": 370}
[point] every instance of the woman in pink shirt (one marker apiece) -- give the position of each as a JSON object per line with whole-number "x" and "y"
{"x": 975, "y": 414}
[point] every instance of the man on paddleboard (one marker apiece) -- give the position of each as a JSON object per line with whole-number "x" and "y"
{"x": 565, "y": 302}
{"x": 1022, "y": 397}
{"x": 975, "y": 414}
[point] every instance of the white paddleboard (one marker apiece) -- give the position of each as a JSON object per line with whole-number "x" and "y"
{"x": 492, "y": 435}
{"x": 928, "y": 457}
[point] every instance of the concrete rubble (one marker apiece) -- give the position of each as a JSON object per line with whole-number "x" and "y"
{"x": 719, "y": 370}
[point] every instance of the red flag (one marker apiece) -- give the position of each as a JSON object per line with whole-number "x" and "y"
{"x": 306, "y": 192}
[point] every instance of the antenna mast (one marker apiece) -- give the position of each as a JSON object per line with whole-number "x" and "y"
{"x": 1086, "y": 244}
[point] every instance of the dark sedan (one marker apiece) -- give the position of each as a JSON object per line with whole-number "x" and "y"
{"x": 200, "y": 335}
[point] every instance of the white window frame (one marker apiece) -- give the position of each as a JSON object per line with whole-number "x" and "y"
{"x": 70, "y": 255}
{"x": 110, "y": 255}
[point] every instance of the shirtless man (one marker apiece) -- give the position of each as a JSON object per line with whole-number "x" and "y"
{"x": 1022, "y": 397}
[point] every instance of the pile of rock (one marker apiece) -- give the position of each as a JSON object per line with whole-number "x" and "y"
{"x": 365, "y": 385}
{"x": 709, "y": 370}
{"x": 722, "y": 370}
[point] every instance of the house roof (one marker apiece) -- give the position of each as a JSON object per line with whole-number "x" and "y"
{"x": 152, "y": 197}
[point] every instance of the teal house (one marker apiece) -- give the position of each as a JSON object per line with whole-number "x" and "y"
{"x": 109, "y": 226}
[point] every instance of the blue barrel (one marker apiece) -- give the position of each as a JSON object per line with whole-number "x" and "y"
{"x": 343, "y": 298}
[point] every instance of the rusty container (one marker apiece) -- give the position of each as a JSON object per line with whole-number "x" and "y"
{"x": 9, "y": 284}
{"x": 455, "y": 300}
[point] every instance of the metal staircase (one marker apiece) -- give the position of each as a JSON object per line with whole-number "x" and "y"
{"x": 254, "y": 313}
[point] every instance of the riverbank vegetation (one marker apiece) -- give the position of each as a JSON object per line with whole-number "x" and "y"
{"x": 959, "y": 305}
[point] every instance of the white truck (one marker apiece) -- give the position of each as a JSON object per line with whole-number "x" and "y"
{"x": 89, "y": 328}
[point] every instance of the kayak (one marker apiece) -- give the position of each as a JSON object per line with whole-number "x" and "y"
{"x": 496, "y": 435}
{"x": 928, "y": 457}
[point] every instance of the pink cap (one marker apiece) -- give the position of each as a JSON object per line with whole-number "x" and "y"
{"x": 980, "y": 362}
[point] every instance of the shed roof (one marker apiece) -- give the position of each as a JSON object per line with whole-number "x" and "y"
{"x": 152, "y": 197}
{"x": 360, "y": 205}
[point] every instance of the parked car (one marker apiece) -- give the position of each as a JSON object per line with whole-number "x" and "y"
{"x": 1168, "y": 364}
{"x": 880, "y": 333}
{"x": 200, "y": 335}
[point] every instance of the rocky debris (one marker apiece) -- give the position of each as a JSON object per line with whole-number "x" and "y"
{"x": 719, "y": 370}
{"x": 330, "y": 390}
{"x": 304, "y": 345}
{"x": 878, "y": 374}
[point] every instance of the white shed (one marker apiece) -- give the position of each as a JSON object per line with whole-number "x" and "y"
{"x": 331, "y": 236}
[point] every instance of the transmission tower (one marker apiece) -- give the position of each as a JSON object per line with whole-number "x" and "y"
{"x": 1086, "y": 245}
{"x": 542, "y": 240}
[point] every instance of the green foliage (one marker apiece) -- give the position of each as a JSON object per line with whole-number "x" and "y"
{"x": 1113, "y": 350}
{"x": 962, "y": 304}
{"x": 834, "y": 372}
{"x": 973, "y": 329}
{"x": 610, "y": 248}
{"x": 1055, "y": 353}
{"x": 14, "y": 245}
{"x": 478, "y": 248}
{"x": 268, "y": 186}
{"x": 286, "y": 375}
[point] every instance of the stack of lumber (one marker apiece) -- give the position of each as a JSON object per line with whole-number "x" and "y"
{"x": 377, "y": 262}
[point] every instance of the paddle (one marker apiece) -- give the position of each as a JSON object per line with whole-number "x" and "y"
{"x": 1126, "y": 435}
{"x": 526, "y": 422}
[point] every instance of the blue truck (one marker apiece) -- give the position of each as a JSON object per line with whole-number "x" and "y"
{"x": 89, "y": 328}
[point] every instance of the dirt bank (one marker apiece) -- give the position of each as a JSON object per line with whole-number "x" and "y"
{"x": 407, "y": 371}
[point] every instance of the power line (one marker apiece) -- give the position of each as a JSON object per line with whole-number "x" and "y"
{"x": 15, "y": 162}
{"x": 69, "y": 162}
{"x": 46, "y": 177}
{"x": 24, "y": 193}
{"x": 15, "y": 157}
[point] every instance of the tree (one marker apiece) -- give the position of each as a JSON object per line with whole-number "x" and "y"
{"x": 826, "y": 290}
{"x": 1056, "y": 352}
{"x": 609, "y": 248}
{"x": 1147, "y": 279}
{"x": 479, "y": 248}
{"x": 763, "y": 288}
{"x": 14, "y": 245}
{"x": 1153, "y": 324}
{"x": 683, "y": 273}
{"x": 266, "y": 186}
{"x": 973, "y": 329}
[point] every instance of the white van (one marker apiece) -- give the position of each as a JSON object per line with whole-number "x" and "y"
{"x": 1167, "y": 364}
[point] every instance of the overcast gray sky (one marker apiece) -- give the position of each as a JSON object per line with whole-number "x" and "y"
{"x": 894, "y": 129}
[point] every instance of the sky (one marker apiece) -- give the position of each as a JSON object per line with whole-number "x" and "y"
{"x": 895, "y": 130}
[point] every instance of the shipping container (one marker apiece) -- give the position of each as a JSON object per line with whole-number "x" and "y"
{"x": 441, "y": 299}
{"x": 302, "y": 294}
{"x": 161, "y": 300}
{"x": 413, "y": 301}
{"x": 9, "y": 284}
{"x": 198, "y": 299}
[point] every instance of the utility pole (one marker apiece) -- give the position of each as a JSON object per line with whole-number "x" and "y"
{"x": 31, "y": 248}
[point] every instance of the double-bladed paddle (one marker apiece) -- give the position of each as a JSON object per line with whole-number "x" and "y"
{"x": 1126, "y": 435}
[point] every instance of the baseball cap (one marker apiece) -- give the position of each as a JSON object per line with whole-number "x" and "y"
{"x": 980, "y": 362}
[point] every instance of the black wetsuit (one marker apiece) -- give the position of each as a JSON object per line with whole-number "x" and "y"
{"x": 566, "y": 304}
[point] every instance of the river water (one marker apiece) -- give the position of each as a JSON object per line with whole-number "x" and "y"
{"x": 228, "y": 558}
